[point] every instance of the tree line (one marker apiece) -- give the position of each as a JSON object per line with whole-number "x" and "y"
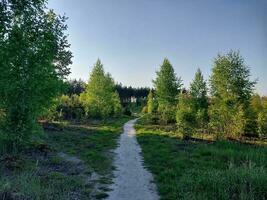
{"x": 227, "y": 108}
{"x": 71, "y": 105}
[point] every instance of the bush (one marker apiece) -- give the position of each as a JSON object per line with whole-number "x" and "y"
{"x": 227, "y": 120}
{"x": 262, "y": 123}
{"x": 185, "y": 116}
{"x": 167, "y": 114}
{"x": 144, "y": 110}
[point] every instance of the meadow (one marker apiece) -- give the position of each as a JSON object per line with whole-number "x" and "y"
{"x": 203, "y": 168}
{"x": 70, "y": 161}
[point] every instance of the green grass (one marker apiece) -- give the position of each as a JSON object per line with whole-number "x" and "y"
{"x": 198, "y": 169}
{"x": 43, "y": 174}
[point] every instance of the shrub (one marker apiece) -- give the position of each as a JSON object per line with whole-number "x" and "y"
{"x": 185, "y": 116}
{"x": 262, "y": 123}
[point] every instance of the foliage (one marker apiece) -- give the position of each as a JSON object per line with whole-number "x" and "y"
{"x": 54, "y": 177}
{"x": 257, "y": 103}
{"x": 185, "y": 115}
{"x": 231, "y": 91}
{"x": 227, "y": 119}
{"x": 126, "y": 93}
{"x": 201, "y": 169}
{"x": 238, "y": 123}
{"x": 34, "y": 59}
{"x": 167, "y": 85}
{"x": 74, "y": 87}
{"x": 262, "y": 123}
{"x": 259, "y": 112}
{"x": 151, "y": 103}
{"x": 231, "y": 79}
{"x": 198, "y": 92}
{"x": 100, "y": 99}
{"x": 51, "y": 113}
{"x": 70, "y": 107}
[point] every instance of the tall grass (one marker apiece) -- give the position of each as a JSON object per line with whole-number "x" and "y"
{"x": 203, "y": 170}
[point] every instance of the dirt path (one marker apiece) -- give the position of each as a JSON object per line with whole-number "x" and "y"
{"x": 132, "y": 181}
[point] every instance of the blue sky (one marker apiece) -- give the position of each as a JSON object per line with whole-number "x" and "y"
{"x": 132, "y": 37}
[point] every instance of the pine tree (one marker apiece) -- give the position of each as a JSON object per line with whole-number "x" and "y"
{"x": 167, "y": 88}
{"x": 198, "y": 91}
{"x": 100, "y": 98}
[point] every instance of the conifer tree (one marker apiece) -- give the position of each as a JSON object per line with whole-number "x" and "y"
{"x": 167, "y": 88}
{"x": 198, "y": 92}
{"x": 100, "y": 98}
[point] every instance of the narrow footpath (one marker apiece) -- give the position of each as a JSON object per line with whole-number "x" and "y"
{"x": 132, "y": 181}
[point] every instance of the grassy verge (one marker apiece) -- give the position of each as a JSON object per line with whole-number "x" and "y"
{"x": 73, "y": 163}
{"x": 203, "y": 169}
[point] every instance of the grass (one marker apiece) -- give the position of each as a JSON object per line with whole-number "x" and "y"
{"x": 41, "y": 173}
{"x": 203, "y": 169}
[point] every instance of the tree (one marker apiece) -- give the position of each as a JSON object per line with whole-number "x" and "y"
{"x": 70, "y": 107}
{"x": 262, "y": 123}
{"x": 185, "y": 115}
{"x": 259, "y": 112}
{"x": 100, "y": 99}
{"x": 126, "y": 93}
{"x": 257, "y": 103}
{"x": 74, "y": 87}
{"x": 34, "y": 59}
{"x": 237, "y": 127}
{"x": 231, "y": 90}
{"x": 231, "y": 79}
{"x": 167, "y": 87}
{"x": 151, "y": 103}
{"x": 198, "y": 92}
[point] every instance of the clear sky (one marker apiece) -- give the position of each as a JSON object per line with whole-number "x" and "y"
{"x": 132, "y": 37}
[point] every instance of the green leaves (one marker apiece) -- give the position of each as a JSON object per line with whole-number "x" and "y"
{"x": 167, "y": 87}
{"x": 186, "y": 115}
{"x": 230, "y": 78}
{"x": 100, "y": 99}
{"x": 167, "y": 84}
{"x": 231, "y": 91}
{"x": 34, "y": 59}
{"x": 151, "y": 103}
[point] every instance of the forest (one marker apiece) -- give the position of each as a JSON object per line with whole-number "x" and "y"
{"x": 205, "y": 141}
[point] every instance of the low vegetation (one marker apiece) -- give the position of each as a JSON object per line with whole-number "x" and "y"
{"x": 70, "y": 162}
{"x": 202, "y": 167}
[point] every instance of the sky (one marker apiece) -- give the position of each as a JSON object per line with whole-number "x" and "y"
{"x": 132, "y": 37}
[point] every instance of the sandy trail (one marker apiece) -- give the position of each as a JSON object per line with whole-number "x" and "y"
{"x": 132, "y": 181}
